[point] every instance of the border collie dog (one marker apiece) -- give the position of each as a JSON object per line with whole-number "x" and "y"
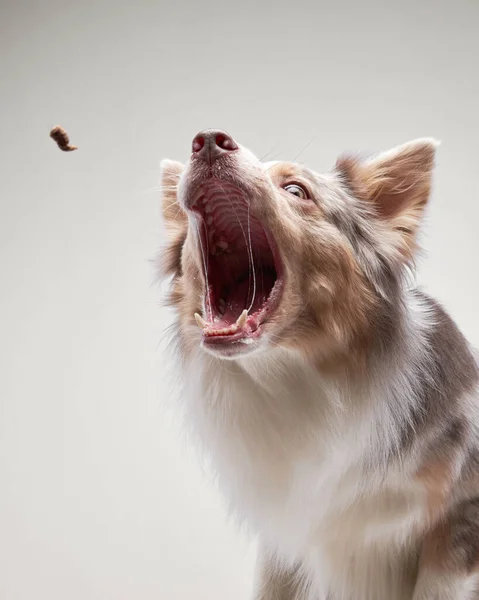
{"x": 337, "y": 403}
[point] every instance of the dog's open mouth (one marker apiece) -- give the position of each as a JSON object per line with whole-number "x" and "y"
{"x": 241, "y": 264}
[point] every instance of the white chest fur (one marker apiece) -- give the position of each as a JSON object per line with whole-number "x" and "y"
{"x": 293, "y": 458}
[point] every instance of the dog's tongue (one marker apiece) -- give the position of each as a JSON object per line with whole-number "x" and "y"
{"x": 238, "y": 308}
{"x": 233, "y": 306}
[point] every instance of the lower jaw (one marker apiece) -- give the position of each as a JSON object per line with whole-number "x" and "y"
{"x": 246, "y": 338}
{"x": 241, "y": 337}
{"x": 234, "y": 345}
{"x": 232, "y": 348}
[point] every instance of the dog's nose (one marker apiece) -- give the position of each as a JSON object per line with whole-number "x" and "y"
{"x": 210, "y": 144}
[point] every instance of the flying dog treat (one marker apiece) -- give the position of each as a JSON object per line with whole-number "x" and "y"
{"x": 61, "y": 138}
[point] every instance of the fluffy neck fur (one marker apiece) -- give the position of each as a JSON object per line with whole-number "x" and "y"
{"x": 303, "y": 456}
{"x": 276, "y": 408}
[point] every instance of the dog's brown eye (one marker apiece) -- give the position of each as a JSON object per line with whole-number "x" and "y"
{"x": 296, "y": 190}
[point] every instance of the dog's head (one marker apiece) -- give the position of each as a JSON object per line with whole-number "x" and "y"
{"x": 268, "y": 254}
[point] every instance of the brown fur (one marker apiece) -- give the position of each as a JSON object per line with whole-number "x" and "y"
{"x": 437, "y": 479}
{"x": 397, "y": 186}
{"x": 345, "y": 254}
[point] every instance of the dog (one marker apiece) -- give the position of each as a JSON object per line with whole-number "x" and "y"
{"x": 336, "y": 402}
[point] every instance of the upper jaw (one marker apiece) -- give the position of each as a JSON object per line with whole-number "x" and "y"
{"x": 240, "y": 168}
{"x": 240, "y": 262}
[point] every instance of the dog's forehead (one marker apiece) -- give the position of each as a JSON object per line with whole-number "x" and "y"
{"x": 280, "y": 171}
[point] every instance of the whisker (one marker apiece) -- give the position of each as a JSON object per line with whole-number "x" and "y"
{"x": 208, "y": 309}
{"x": 275, "y": 156}
{"x": 207, "y": 268}
{"x": 171, "y": 204}
{"x": 262, "y": 278}
{"x": 156, "y": 189}
{"x": 175, "y": 216}
{"x": 252, "y": 261}
{"x": 251, "y": 269}
{"x": 304, "y": 149}
{"x": 269, "y": 152}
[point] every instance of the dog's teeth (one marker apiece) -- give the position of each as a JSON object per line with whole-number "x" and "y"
{"x": 202, "y": 324}
{"x": 241, "y": 322}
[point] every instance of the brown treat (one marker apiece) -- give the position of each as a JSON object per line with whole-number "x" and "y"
{"x": 61, "y": 138}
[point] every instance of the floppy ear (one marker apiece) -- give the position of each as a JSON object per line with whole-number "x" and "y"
{"x": 396, "y": 185}
{"x": 174, "y": 216}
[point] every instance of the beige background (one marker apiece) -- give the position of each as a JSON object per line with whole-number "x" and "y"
{"x": 99, "y": 500}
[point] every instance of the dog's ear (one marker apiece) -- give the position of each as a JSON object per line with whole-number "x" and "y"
{"x": 397, "y": 185}
{"x": 173, "y": 215}
{"x": 175, "y": 218}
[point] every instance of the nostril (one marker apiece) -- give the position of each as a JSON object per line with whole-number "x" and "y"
{"x": 198, "y": 143}
{"x": 210, "y": 144}
{"x": 225, "y": 142}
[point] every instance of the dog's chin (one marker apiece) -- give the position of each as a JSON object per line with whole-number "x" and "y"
{"x": 237, "y": 347}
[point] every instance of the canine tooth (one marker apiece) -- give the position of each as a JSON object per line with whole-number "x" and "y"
{"x": 202, "y": 324}
{"x": 241, "y": 322}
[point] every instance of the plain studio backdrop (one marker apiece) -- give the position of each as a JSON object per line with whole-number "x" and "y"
{"x": 100, "y": 498}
